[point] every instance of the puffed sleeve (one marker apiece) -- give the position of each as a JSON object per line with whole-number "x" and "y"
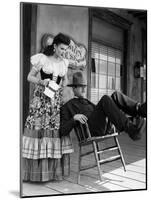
{"x": 37, "y": 61}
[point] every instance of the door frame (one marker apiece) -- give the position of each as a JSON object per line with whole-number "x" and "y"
{"x": 115, "y": 20}
{"x": 28, "y": 24}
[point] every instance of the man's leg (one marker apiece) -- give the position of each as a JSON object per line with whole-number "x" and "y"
{"x": 142, "y": 110}
{"x": 107, "y": 108}
{"x": 98, "y": 122}
{"x": 128, "y": 105}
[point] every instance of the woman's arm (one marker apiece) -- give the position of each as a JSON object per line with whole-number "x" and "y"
{"x": 32, "y": 77}
{"x": 64, "y": 80}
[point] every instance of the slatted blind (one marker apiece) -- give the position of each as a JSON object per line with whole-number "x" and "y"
{"x": 105, "y": 70}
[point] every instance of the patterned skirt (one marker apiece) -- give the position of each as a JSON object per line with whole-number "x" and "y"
{"x": 45, "y": 155}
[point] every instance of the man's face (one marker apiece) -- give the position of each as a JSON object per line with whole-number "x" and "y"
{"x": 79, "y": 91}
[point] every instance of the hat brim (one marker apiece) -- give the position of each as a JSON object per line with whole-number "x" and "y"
{"x": 76, "y": 85}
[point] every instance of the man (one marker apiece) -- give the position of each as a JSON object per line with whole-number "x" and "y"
{"x": 109, "y": 109}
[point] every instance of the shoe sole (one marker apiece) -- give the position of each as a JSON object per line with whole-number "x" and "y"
{"x": 142, "y": 127}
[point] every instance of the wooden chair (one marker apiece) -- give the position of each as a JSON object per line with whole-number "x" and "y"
{"x": 84, "y": 137}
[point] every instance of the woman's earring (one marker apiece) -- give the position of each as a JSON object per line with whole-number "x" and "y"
{"x": 54, "y": 50}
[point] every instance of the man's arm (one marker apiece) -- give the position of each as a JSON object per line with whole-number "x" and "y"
{"x": 67, "y": 121}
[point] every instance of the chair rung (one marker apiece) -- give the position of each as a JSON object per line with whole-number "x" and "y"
{"x": 87, "y": 153}
{"x": 108, "y": 149}
{"x": 85, "y": 142}
{"x": 109, "y": 159}
{"x": 87, "y": 167}
{"x": 105, "y": 136}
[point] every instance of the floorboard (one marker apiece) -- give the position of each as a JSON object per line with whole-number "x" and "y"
{"x": 114, "y": 178}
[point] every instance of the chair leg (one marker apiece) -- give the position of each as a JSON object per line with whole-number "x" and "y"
{"x": 97, "y": 159}
{"x": 79, "y": 165}
{"x": 98, "y": 148}
{"x": 120, "y": 152}
{"x": 69, "y": 165}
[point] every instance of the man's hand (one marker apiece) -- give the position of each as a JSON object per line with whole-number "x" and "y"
{"x": 81, "y": 118}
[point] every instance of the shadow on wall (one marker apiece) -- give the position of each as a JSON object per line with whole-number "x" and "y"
{"x": 67, "y": 94}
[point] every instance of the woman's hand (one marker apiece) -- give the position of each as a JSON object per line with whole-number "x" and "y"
{"x": 81, "y": 118}
{"x": 45, "y": 82}
{"x": 32, "y": 77}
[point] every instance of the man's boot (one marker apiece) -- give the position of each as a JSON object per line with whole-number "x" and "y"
{"x": 136, "y": 130}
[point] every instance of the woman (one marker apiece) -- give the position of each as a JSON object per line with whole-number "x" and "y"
{"x": 43, "y": 150}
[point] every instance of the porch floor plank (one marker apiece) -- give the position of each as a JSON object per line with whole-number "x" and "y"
{"x": 67, "y": 187}
{"x": 92, "y": 180}
{"x": 93, "y": 183}
{"x": 114, "y": 170}
{"x": 117, "y": 178}
{"x": 114, "y": 178}
{"x": 31, "y": 189}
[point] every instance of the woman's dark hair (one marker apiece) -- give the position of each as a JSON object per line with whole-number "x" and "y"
{"x": 58, "y": 39}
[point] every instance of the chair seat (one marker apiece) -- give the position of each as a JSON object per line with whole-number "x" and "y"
{"x": 105, "y": 136}
{"x": 98, "y": 138}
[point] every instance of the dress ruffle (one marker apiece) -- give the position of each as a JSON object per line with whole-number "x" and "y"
{"x": 45, "y": 144}
{"x": 47, "y": 169}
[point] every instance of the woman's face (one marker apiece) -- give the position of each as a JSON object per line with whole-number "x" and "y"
{"x": 60, "y": 49}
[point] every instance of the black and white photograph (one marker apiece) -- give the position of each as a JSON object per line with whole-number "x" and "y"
{"x": 75, "y": 92}
{"x": 83, "y": 97}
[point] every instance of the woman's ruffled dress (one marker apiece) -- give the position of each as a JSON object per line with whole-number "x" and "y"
{"x": 45, "y": 156}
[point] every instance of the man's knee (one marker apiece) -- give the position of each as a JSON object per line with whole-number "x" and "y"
{"x": 103, "y": 102}
{"x": 115, "y": 94}
{"x": 105, "y": 99}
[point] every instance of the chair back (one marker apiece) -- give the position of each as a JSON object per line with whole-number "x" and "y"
{"x": 82, "y": 132}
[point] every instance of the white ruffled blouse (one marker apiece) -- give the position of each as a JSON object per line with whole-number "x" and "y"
{"x": 48, "y": 66}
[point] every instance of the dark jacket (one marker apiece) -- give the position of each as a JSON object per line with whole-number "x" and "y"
{"x": 69, "y": 109}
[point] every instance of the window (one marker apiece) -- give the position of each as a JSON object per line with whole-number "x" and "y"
{"x": 105, "y": 71}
